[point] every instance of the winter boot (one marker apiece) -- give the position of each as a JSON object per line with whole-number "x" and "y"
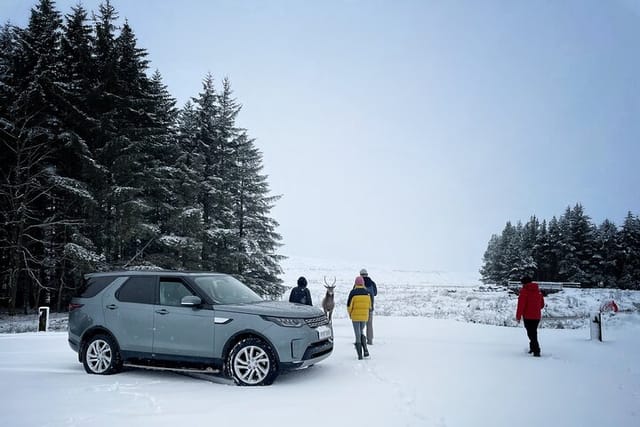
{"x": 359, "y": 350}
{"x": 364, "y": 346}
{"x": 535, "y": 349}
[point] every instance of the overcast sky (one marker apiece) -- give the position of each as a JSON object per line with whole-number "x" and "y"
{"x": 406, "y": 133}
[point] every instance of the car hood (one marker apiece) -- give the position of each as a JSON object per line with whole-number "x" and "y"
{"x": 273, "y": 308}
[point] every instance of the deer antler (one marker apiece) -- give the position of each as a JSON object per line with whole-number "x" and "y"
{"x": 332, "y": 285}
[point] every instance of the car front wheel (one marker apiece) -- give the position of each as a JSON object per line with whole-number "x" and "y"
{"x": 101, "y": 356}
{"x": 252, "y": 362}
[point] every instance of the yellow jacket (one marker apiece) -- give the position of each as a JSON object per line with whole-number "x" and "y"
{"x": 359, "y": 304}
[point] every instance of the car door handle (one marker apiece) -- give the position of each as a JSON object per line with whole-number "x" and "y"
{"x": 162, "y": 311}
{"x": 112, "y": 306}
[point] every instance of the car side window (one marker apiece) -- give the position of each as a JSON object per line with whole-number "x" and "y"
{"x": 138, "y": 289}
{"x": 172, "y": 291}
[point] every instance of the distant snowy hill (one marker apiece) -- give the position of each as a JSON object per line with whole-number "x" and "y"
{"x": 447, "y": 295}
{"x": 345, "y": 272}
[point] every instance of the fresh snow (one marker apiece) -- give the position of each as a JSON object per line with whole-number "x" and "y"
{"x": 424, "y": 370}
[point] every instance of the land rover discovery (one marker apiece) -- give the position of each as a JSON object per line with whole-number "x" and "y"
{"x": 204, "y": 322}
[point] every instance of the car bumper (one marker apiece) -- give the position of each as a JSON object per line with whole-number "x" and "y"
{"x": 75, "y": 345}
{"x": 309, "y": 355}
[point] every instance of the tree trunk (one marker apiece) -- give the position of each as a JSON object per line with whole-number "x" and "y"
{"x": 13, "y": 288}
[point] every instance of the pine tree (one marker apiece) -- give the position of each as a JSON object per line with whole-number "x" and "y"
{"x": 544, "y": 252}
{"x": 185, "y": 244}
{"x": 31, "y": 140}
{"x": 605, "y": 270}
{"x": 163, "y": 177}
{"x": 508, "y": 266}
{"x": 489, "y": 271}
{"x": 123, "y": 147}
{"x": 578, "y": 244}
{"x": 211, "y": 186}
{"x": 529, "y": 238}
{"x": 629, "y": 261}
{"x": 258, "y": 262}
{"x": 75, "y": 159}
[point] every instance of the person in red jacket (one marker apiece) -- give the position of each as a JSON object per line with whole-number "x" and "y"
{"x": 530, "y": 304}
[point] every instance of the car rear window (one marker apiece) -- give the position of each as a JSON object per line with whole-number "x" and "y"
{"x": 94, "y": 285}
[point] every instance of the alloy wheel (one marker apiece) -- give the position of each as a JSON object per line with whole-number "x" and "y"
{"x": 99, "y": 356}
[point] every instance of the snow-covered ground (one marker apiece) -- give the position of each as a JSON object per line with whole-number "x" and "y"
{"x": 427, "y": 368}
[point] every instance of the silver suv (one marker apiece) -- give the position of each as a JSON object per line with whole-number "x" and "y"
{"x": 203, "y": 322}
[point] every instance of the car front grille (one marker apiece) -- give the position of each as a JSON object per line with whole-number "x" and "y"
{"x": 314, "y": 322}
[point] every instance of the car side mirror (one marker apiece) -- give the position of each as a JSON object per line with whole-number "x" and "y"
{"x": 191, "y": 301}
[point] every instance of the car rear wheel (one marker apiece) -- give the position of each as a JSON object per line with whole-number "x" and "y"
{"x": 252, "y": 362}
{"x": 101, "y": 356}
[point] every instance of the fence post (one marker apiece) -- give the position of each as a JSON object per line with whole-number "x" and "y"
{"x": 595, "y": 322}
{"x": 43, "y": 319}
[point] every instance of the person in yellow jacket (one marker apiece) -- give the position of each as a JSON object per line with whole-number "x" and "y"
{"x": 358, "y": 306}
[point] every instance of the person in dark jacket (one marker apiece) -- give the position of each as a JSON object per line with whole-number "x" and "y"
{"x": 300, "y": 293}
{"x": 371, "y": 287}
{"x": 359, "y": 308}
{"x": 530, "y": 304}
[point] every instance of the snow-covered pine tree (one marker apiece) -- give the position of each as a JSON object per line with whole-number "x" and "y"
{"x": 239, "y": 236}
{"x": 511, "y": 252}
{"x": 489, "y": 271}
{"x": 74, "y": 159}
{"x": 578, "y": 244}
{"x": 210, "y": 186}
{"x": 102, "y": 103}
{"x": 555, "y": 248}
{"x": 629, "y": 242}
{"x": 123, "y": 141}
{"x": 31, "y": 138}
{"x": 528, "y": 240}
{"x": 607, "y": 250}
{"x": 8, "y": 55}
{"x": 543, "y": 253}
{"x": 184, "y": 241}
{"x": 223, "y": 153}
{"x": 503, "y": 260}
{"x": 164, "y": 178}
{"x": 254, "y": 241}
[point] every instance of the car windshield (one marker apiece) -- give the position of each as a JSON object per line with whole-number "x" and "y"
{"x": 227, "y": 290}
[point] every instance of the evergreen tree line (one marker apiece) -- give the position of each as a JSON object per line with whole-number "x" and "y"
{"x": 99, "y": 170}
{"x": 569, "y": 249}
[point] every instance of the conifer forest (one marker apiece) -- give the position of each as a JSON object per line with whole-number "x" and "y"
{"x": 100, "y": 170}
{"x": 567, "y": 249}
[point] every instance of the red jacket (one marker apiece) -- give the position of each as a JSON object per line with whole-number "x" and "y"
{"x": 530, "y": 302}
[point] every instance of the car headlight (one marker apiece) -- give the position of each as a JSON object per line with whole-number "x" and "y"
{"x": 287, "y": 322}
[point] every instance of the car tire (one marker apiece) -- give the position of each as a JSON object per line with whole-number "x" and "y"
{"x": 252, "y": 362}
{"x": 101, "y": 356}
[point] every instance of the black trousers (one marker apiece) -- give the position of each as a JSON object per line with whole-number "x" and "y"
{"x": 531, "y": 325}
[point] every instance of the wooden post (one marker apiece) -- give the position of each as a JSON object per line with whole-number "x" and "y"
{"x": 595, "y": 322}
{"x": 43, "y": 319}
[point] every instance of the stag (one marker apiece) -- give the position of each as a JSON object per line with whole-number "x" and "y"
{"x": 328, "y": 302}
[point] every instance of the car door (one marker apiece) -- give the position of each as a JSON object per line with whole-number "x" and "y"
{"x": 181, "y": 330}
{"x": 128, "y": 313}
